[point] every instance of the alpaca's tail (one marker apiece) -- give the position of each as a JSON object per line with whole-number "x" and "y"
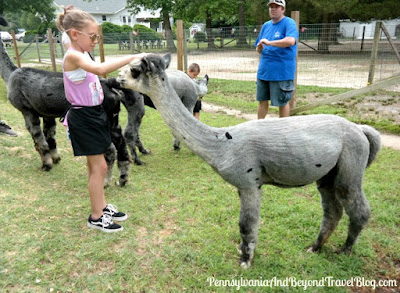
{"x": 374, "y": 139}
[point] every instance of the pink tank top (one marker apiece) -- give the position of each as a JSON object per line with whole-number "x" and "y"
{"x": 87, "y": 92}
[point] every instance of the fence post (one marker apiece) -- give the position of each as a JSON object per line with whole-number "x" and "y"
{"x": 295, "y": 15}
{"x": 101, "y": 47}
{"x": 185, "y": 38}
{"x": 51, "y": 47}
{"x": 374, "y": 52}
{"x": 16, "y": 49}
{"x": 179, "y": 31}
{"x": 131, "y": 44}
{"x": 38, "y": 48}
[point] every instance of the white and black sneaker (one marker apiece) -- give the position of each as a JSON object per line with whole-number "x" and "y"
{"x": 4, "y": 128}
{"x": 114, "y": 213}
{"x": 104, "y": 223}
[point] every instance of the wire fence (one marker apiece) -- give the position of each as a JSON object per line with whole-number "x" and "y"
{"x": 328, "y": 55}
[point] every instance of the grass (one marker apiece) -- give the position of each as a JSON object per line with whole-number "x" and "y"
{"x": 183, "y": 225}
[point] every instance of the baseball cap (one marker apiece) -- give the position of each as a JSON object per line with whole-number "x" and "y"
{"x": 278, "y": 2}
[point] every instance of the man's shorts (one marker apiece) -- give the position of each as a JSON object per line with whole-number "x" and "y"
{"x": 279, "y": 92}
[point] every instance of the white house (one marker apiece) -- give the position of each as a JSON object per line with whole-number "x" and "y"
{"x": 114, "y": 11}
{"x": 197, "y": 27}
{"x": 356, "y": 29}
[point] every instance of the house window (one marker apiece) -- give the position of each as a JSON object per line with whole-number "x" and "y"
{"x": 123, "y": 19}
{"x": 129, "y": 19}
{"x": 104, "y": 17}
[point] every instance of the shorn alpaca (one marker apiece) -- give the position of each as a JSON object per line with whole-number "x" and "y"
{"x": 285, "y": 152}
{"x": 188, "y": 91}
{"x": 39, "y": 93}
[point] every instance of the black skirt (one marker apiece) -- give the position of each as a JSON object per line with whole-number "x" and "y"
{"x": 89, "y": 130}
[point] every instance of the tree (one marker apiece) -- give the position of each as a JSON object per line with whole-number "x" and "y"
{"x": 205, "y": 10}
{"x": 32, "y": 14}
{"x": 166, "y": 6}
{"x": 44, "y": 8}
{"x": 328, "y": 12}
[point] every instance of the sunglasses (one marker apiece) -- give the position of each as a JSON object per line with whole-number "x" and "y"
{"x": 93, "y": 37}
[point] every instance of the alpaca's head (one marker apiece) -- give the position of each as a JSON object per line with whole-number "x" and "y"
{"x": 201, "y": 86}
{"x": 146, "y": 74}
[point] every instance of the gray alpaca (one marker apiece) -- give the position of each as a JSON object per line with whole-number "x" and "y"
{"x": 285, "y": 152}
{"x": 188, "y": 90}
{"x": 39, "y": 93}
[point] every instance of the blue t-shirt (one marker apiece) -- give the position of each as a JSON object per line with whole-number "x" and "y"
{"x": 277, "y": 63}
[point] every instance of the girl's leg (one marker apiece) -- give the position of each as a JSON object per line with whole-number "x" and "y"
{"x": 97, "y": 168}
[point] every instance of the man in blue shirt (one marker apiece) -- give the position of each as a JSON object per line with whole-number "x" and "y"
{"x": 277, "y": 44}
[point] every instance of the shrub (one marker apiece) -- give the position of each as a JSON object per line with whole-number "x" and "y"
{"x": 200, "y": 37}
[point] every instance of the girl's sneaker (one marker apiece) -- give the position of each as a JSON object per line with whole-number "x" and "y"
{"x": 104, "y": 223}
{"x": 114, "y": 213}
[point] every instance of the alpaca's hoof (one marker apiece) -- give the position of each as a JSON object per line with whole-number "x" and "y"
{"x": 47, "y": 167}
{"x": 245, "y": 264}
{"x": 177, "y": 148}
{"x": 122, "y": 182}
{"x": 344, "y": 250}
{"x": 313, "y": 249}
{"x": 145, "y": 152}
{"x": 56, "y": 160}
{"x": 139, "y": 162}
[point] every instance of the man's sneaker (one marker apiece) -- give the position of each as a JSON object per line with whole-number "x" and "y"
{"x": 104, "y": 223}
{"x": 114, "y": 213}
{"x": 4, "y": 128}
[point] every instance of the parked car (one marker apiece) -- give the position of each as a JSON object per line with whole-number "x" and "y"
{"x": 5, "y": 36}
{"x": 20, "y": 36}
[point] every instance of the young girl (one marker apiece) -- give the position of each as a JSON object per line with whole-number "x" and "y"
{"x": 87, "y": 122}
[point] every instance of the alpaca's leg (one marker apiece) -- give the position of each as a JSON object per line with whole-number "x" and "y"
{"x": 348, "y": 189}
{"x": 49, "y": 130}
{"x": 250, "y": 201}
{"x": 110, "y": 157}
{"x": 177, "y": 144}
{"x": 333, "y": 211}
{"x": 357, "y": 208}
{"x": 136, "y": 118}
{"x": 131, "y": 134}
{"x": 122, "y": 155}
{"x": 32, "y": 123}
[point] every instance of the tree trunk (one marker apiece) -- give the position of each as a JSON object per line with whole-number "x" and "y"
{"x": 324, "y": 36}
{"x": 168, "y": 31}
{"x": 242, "y": 24}
{"x": 210, "y": 37}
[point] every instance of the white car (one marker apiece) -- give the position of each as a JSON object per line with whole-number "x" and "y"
{"x": 5, "y": 36}
{"x": 20, "y": 36}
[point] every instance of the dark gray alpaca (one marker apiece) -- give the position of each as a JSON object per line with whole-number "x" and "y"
{"x": 285, "y": 152}
{"x": 39, "y": 93}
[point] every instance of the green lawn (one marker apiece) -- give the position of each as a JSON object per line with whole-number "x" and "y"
{"x": 182, "y": 229}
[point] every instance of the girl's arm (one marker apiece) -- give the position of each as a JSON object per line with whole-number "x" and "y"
{"x": 75, "y": 60}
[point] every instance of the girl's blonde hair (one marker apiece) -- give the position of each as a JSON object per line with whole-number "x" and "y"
{"x": 73, "y": 18}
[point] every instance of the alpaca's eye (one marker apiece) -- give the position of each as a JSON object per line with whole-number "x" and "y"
{"x": 135, "y": 73}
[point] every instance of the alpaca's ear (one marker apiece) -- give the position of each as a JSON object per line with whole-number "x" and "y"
{"x": 206, "y": 78}
{"x": 3, "y": 21}
{"x": 167, "y": 60}
{"x": 152, "y": 68}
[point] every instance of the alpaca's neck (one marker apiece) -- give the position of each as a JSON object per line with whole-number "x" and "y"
{"x": 6, "y": 65}
{"x": 200, "y": 138}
